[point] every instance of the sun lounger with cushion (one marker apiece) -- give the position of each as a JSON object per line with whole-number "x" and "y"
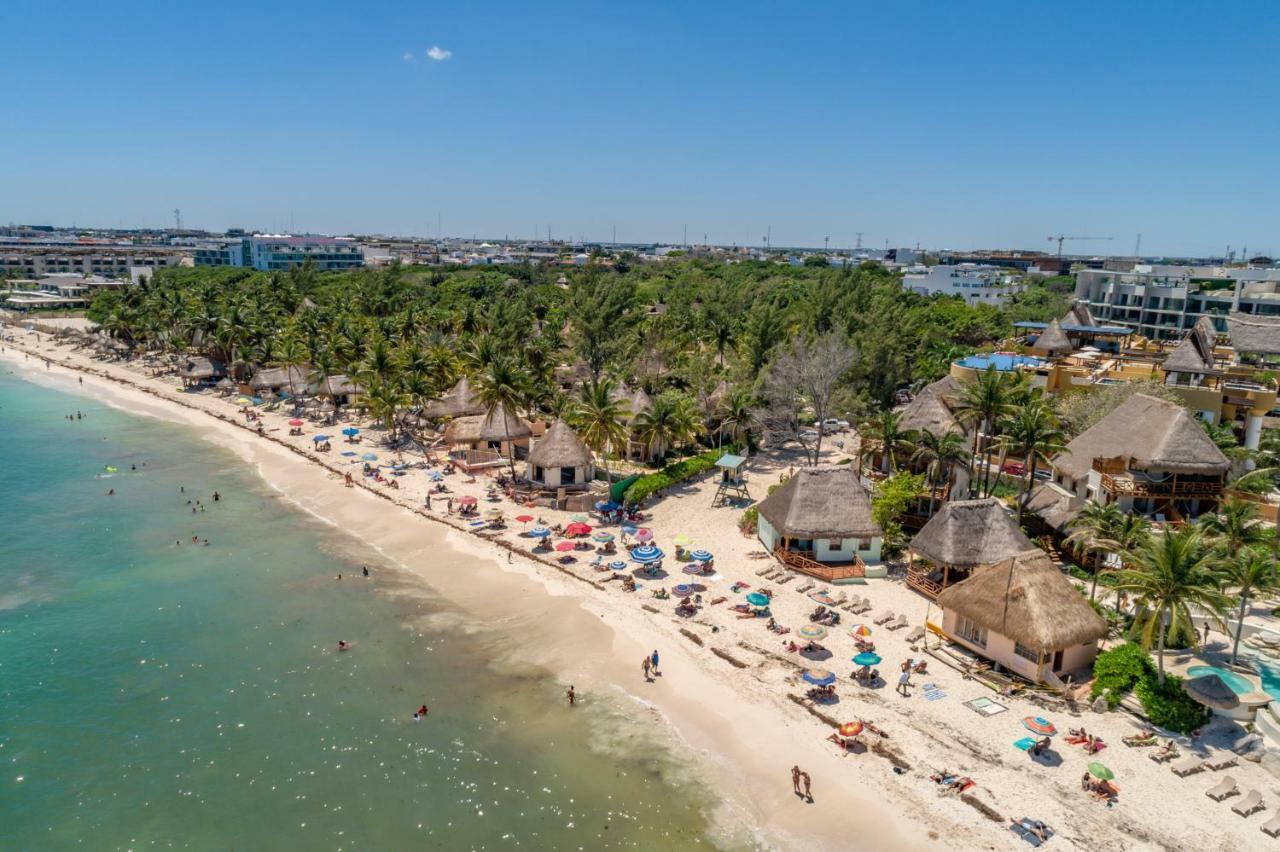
{"x": 1164, "y": 755}
{"x": 883, "y": 618}
{"x": 898, "y": 623}
{"x": 1226, "y": 787}
{"x": 916, "y": 634}
{"x": 1272, "y": 826}
{"x": 1252, "y": 803}
{"x": 1221, "y": 760}
{"x": 863, "y": 606}
{"x": 1188, "y": 765}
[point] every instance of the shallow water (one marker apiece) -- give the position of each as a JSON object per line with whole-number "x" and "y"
{"x": 159, "y": 692}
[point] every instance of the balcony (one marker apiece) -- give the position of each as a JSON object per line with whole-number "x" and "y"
{"x": 1130, "y": 485}
{"x": 830, "y": 572}
{"x": 918, "y": 579}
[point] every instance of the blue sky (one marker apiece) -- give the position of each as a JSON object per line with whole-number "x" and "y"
{"x": 949, "y": 124}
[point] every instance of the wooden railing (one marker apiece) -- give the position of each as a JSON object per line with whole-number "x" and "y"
{"x": 820, "y": 570}
{"x": 918, "y": 579}
{"x": 477, "y": 458}
{"x": 1128, "y": 485}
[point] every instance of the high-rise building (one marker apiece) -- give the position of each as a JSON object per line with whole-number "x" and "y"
{"x": 270, "y": 253}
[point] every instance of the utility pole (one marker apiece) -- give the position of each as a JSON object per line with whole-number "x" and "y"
{"x": 859, "y": 245}
{"x": 826, "y": 241}
{"x": 686, "y": 237}
{"x": 1137, "y": 248}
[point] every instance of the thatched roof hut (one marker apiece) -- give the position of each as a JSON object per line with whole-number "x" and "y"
{"x": 1053, "y": 341}
{"x": 460, "y": 401}
{"x": 477, "y": 428}
{"x": 199, "y": 368}
{"x": 292, "y": 379}
{"x": 931, "y": 409}
{"x": 339, "y": 386}
{"x": 1056, "y": 506}
{"x": 969, "y": 534}
{"x": 1194, "y": 354}
{"x": 1254, "y": 335}
{"x": 560, "y": 447}
{"x": 637, "y": 401}
{"x": 1026, "y": 599}
{"x": 1211, "y": 691}
{"x": 1078, "y": 314}
{"x": 823, "y": 502}
{"x": 1152, "y": 434}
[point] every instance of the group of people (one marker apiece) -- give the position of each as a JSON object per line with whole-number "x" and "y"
{"x": 800, "y": 777}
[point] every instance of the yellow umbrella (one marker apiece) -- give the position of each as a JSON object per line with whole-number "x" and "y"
{"x": 682, "y": 540}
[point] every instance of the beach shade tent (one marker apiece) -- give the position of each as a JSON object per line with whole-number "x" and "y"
{"x": 866, "y": 658}
{"x": 560, "y": 459}
{"x": 538, "y": 532}
{"x": 607, "y": 506}
{"x": 644, "y": 534}
{"x": 818, "y": 677}
{"x": 1025, "y": 615}
{"x": 316, "y": 439}
{"x": 861, "y": 630}
{"x": 757, "y": 599}
{"x": 565, "y": 546}
{"x": 1212, "y": 691}
{"x": 820, "y": 523}
{"x": 812, "y": 632}
{"x": 524, "y": 519}
{"x": 617, "y": 565}
{"x": 577, "y": 530}
{"x": 700, "y": 555}
{"x": 1102, "y": 773}
{"x": 647, "y": 555}
{"x": 1038, "y": 725}
{"x": 851, "y": 729}
{"x": 602, "y": 537}
{"x": 962, "y": 537}
{"x": 460, "y": 401}
{"x": 351, "y": 431}
{"x": 295, "y": 422}
{"x": 683, "y": 590}
{"x": 370, "y": 457}
{"x": 467, "y": 500}
{"x": 682, "y": 540}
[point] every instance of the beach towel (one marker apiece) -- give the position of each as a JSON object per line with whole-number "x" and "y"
{"x": 1024, "y": 744}
{"x": 985, "y": 706}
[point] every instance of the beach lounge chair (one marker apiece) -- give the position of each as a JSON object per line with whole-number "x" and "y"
{"x": 1189, "y": 765}
{"x": 1146, "y": 738}
{"x": 1272, "y": 826}
{"x": 786, "y": 579}
{"x": 1250, "y": 804}
{"x": 916, "y": 634}
{"x": 883, "y": 618}
{"x": 1221, "y": 760}
{"x": 768, "y": 569}
{"x": 1169, "y": 751}
{"x": 898, "y": 623}
{"x": 1027, "y": 829}
{"x": 806, "y": 587}
{"x": 1226, "y": 787}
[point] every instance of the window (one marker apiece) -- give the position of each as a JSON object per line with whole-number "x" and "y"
{"x": 833, "y": 544}
{"x": 539, "y": 474}
{"x": 566, "y": 475}
{"x": 969, "y": 631}
{"x": 1026, "y": 653}
{"x": 864, "y": 544}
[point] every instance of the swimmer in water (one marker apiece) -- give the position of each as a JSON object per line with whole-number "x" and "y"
{"x": 365, "y": 569}
{"x": 421, "y": 712}
{"x": 111, "y": 493}
{"x": 342, "y": 645}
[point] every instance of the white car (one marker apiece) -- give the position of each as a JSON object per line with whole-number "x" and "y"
{"x": 831, "y": 425}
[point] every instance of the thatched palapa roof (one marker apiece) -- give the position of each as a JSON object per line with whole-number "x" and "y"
{"x": 1056, "y": 506}
{"x": 460, "y": 401}
{"x": 200, "y": 367}
{"x": 828, "y": 501}
{"x": 1053, "y": 340}
{"x": 1211, "y": 691}
{"x": 1194, "y": 354}
{"x": 1078, "y": 314}
{"x": 1153, "y": 434}
{"x": 293, "y": 379}
{"x": 637, "y": 401}
{"x": 970, "y": 533}
{"x": 474, "y": 428}
{"x": 930, "y": 410}
{"x": 560, "y": 447}
{"x": 1026, "y": 599}
{"x": 1256, "y": 335}
{"x": 339, "y": 386}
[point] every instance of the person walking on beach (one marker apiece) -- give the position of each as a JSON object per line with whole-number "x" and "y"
{"x": 807, "y": 781}
{"x": 795, "y": 780}
{"x": 645, "y": 665}
{"x": 216, "y": 496}
{"x": 904, "y": 681}
{"x": 571, "y": 695}
{"x": 653, "y": 663}
{"x": 365, "y": 570}
{"x": 428, "y": 502}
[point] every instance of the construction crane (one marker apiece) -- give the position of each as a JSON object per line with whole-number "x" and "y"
{"x": 1061, "y": 238}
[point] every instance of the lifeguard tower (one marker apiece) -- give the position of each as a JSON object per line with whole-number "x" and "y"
{"x": 733, "y": 480}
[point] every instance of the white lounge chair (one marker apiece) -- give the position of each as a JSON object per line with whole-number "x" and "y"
{"x": 1272, "y": 826}
{"x": 1221, "y": 760}
{"x": 1188, "y": 766}
{"x": 1226, "y": 787}
{"x": 883, "y": 618}
{"x": 861, "y": 606}
{"x": 1252, "y": 803}
{"x": 898, "y": 623}
{"x": 916, "y": 634}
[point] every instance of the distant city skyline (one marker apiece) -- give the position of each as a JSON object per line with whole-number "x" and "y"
{"x": 985, "y": 126}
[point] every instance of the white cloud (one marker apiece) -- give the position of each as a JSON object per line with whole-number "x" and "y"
{"x": 407, "y": 56}
{"x": 438, "y": 53}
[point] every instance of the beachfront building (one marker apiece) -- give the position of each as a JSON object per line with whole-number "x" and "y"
{"x": 963, "y": 537}
{"x": 271, "y": 252}
{"x": 819, "y": 523}
{"x": 932, "y": 409}
{"x": 460, "y": 401}
{"x": 487, "y": 440}
{"x": 637, "y": 403}
{"x": 976, "y": 284}
{"x": 1025, "y": 616}
{"x": 1149, "y": 456}
{"x": 559, "y": 459}
{"x": 34, "y": 260}
{"x": 198, "y": 370}
{"x": 274, "y": 381}
{"x": 338, "y": 389}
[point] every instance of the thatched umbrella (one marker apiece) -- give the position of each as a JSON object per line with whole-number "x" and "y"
{"x": 460, "y": 401}
{"x": 1212, "y": 691}
{"x": 971, "y": 533}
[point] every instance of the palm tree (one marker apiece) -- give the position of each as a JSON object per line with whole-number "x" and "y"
{"x": 1250, "y": 570}
{"x": 1234, "y": 527}
{"x": 1093, "y": 528}
{"x": 983, "y": 404}
{"x": 501, "y": 385}
{"x": 1169, "y": 574}
{"x": 671, "y": 419}
{"x": 384, "y": 399}
{"x": 1034, "y": 434}
{"x": 941, "y": 453}
{"x": 885, "y": 431}
{"x": 600, "y": 418}
{"x": 738, "y": 415}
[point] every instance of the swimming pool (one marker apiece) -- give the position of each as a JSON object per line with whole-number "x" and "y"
{"x": 1003, "y": 362}
{"x": 1239, "y": 684}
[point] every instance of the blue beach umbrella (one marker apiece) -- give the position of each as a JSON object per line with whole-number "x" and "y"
{"x": 350, "y": 431}
{"x": 867, "y": 659}
{"x": 627, "y": 529}
{"x": 607, "y": 506}
{"x": 757, "y": 599}
{"x": 818, "y": 677}
{"x": 647, "y": 554}
{"x": 700, "y": 555}
{"x": 435, "y": 476}
{"x": 619, "y": 565}
{"x": 538, "y": 532}
{"x": 315, "y": 439}
{"x": 682, "y": 591}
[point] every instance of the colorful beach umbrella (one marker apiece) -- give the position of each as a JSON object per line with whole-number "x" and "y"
{"x": 295, "y": 422}
{"x": 860, "y": 630}
{"x": 467, "y": 500}
{"x": 617, "y": 565}
{"x": 318, "y": 438}
{"x": 244, "y": 400}
{"x": 579, "y": 518}
{"x": 818, "y": 677}
{"x": 851, "y": 729}
{"x": 692, "y": 568}
{"x": 822, "y": 598}
{"x": 682, "y": 591}
{"x": 682, "y": 540}
{"x": 1037, "y": 725}
{"x": 564, "y": 546}
{"x": 538, "y": 532}
{"x": 627, "y": 529}
{"x": 1102, "y": 773}
{"x": 577, "y": 529}
{"x": 644, "y": 534}
{"x": 757, "y": 599}
{"x": 700, "y": 555}
{"x": 524, "y": 519}
{"x": 647, "y": 554}
{"x": 607, "y": 506}
{"x": 351, "y": 431}
{"x": 602, "y": 537}
{"x": 866, "y": 658}
{"x": 812, "y": 631}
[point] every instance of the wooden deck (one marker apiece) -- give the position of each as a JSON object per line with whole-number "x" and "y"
{"x": 828, "y": 571}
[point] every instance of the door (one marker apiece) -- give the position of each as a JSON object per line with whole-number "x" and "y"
{"x": 1057, "y": 660}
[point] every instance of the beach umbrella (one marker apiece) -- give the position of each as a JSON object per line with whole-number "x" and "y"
{"x": 493, "y": 514}
{"x": 351, "y": 431}
{"x": 627, "y": 529}
{"x": 692, "y": 568}
{"x": 577, "y": 529}
{"x": 1102, "y": 773}
{"x": 579, "y": 518}
{"x": 866, "y": 658}
{"x": 295, "y": 422}
{"x": 1211, "y": 691}
{"x": 818, "y": 677}
{"x": 683, "y": 590}
{"x": 467, "y": 500}
{"x": 602, "y": 537}
{"x": 644, "y": 534}
{"x": 812, "y": 631}
{"x": 700, "y": 555}
{"x": 564, "y": 546}
{"x": 647, "y": 554}
{"x": 538, "y": 532}
{"x": 757, "y": 599}
{"x": 617, "y": 565}
{"x": 1038, "y": 725}
{"x": 524, "y": 519}
{"x": 370, "y": 457}
{"x": 860, "y": 630}
{"x": 607, "y": 506}
{"x": 851, "y": 729}
{"x": 435, "y": 476}
{"x": 822, "y": 598}
{"x": 315, "y": 439}
{"x": 244, "y": 400}
{"x": 682, "y": 540}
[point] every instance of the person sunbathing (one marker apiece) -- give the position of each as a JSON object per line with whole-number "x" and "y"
{"x": 1077, "y": 736}
{"x": 921, "y": 667}
{"x": 719, "y": 600}
{"x": 1093, "y": 745}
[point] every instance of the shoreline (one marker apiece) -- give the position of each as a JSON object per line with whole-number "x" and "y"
{"x": 587, "y": 638}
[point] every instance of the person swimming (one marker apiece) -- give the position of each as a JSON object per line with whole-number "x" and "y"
{"x": 342, "y": 645}
{"x": 421, "y": 712}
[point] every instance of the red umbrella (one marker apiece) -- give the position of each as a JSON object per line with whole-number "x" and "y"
{"x": 565, "y": 545}
{"x": 851, "y": 729}
{"x": 295, "y": 422}
{"x": 468, "y": 500}
{"x": 577, "y": 529}
{"x": 524, "y": 519}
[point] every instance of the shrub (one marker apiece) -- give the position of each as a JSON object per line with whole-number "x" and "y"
{"x": 1117, "y": 671}
{"x": 1169, "y": 707}
{"x": 1183, "y": 636}
{"x": 679, "y": 471}
{"x": 750, "y": 521}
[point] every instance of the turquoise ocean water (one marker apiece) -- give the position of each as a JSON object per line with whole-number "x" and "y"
{"x": 164, "y": 694}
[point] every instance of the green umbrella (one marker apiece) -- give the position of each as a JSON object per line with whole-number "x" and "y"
{"x": 1097, "y": 770}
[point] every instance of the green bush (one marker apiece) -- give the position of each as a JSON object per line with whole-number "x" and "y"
{"x": 1182, "y": 637}
{"x": 750, "y": 521}
{"x": 1117, "y": 671}
{"x": 1169, "y": 707}
{"x": 651, "y": 483}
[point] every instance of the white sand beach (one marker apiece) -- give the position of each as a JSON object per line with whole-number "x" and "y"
{"x": 727, "y": 682}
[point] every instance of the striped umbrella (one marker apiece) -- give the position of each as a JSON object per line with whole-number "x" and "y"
{"x": 602, "y": 537}
{"x": 618, "y": 565}
{"x": 812, "y": 631}
{"x": 647, "y": 554}
{"x": 851, "y": 729}
{"x": 700, "y": 555}
{"x": 538, "y": 532}
{"x": 860, "y": 630}
{"x": 1038, "y": 725}
{"x": 682, "y": 591}
{"x": 692, "y": 568}
{"x": 818, "y": 677}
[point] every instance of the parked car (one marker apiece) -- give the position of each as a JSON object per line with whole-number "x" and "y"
{"x": 831, "y": 425}
{"x": 1015, "y": 468}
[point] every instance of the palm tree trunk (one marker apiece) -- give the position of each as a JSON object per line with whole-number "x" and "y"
{"x": 1097, "y": 569}
{"x": 1004, "y": 455}
{"x": 1235, "y": 645}
{"x": 1026, "y": 485}
{"x": 1160, "y": 648}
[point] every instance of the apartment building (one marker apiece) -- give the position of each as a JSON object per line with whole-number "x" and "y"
{"x": 37, "y": 261}
{"x": 977, "y": 284}
{"x": 270, "y": 252}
